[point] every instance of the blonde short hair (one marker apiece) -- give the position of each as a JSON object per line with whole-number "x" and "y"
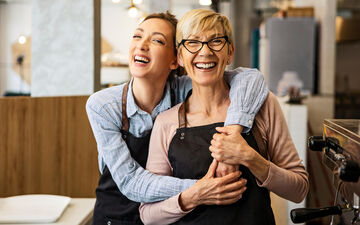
{"x": 199, "y": 20}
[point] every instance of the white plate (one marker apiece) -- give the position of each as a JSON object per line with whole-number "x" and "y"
{"x": 32, "y": 208}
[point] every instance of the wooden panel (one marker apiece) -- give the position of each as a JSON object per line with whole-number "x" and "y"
{"x": 47, "y": 146}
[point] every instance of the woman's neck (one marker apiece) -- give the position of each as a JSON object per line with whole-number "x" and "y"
{"x": 208, "y": 102}
{"x": 147, "y": 93}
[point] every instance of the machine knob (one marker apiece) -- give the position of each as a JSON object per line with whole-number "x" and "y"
{"x": 350, "y": 171}
{"x": 316, "y": 143}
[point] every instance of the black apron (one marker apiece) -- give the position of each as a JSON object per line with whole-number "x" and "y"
{"x": 190, "y": 158}
{"x": 112, "y": 207}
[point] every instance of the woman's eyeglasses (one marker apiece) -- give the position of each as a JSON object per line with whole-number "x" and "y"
{"x": 215, "y": 44}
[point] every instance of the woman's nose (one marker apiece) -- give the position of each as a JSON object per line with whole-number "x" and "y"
{"x": 143, "y": 45}
{"x": 205, "y": 50}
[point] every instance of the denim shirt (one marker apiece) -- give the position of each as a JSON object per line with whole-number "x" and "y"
{"x": 104, "y": 108}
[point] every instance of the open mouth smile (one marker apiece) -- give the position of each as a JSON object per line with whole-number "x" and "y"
{"x": 205, "y": 65}
{"x": 141, "y": 59}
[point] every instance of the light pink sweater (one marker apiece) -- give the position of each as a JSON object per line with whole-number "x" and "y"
{"x": 287, "y": 176}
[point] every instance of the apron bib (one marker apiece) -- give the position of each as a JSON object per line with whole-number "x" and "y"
{"x": 112, "y": 207}
{"x": 190, "y": 158}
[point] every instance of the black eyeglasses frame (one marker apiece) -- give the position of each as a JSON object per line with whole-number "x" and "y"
{"x": 204, "y": 42}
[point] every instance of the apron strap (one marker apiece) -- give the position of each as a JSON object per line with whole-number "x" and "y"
{"x": 182, "y": 111}
{"x": 125, "y": 120}
{"x": 182, "y": 115}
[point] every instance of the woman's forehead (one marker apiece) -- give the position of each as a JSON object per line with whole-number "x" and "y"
{"x": 208, "y": 32}
{"x": 156, "y": 24}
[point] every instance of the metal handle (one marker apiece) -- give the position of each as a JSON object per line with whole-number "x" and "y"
{"x": 303, "y": 214}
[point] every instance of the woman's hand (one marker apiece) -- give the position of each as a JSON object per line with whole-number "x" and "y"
{"x": 213, "y": 191}
{"x": 224, "y": 169}
{"x": 230, "y": 147}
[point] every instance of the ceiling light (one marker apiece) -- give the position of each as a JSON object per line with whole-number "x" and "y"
{"x": 133, "y": 11}
{"x": 205, "y": 2}
{"x": 22, "y": 39}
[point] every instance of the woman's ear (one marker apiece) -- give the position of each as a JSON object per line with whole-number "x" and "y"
{"x": 179, "y": 58}
{"x": 231, "y": 54}
{"x": 174, "y": 64}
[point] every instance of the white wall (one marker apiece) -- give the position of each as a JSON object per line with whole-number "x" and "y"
{"x": 15, "y": 20}
{"x": 117, "y": 27}
{"x": 63, "y": 48}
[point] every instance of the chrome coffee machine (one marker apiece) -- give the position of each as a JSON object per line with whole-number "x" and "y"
{"x": 340, "y": 145}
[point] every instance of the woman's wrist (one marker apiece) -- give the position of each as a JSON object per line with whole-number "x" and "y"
{"x": 187, "y": 200}
{"x": 247, "y": 157}
{"x": 259, "y": 166}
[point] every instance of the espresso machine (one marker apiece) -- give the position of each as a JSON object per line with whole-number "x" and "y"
{"x": 340, "y": 147}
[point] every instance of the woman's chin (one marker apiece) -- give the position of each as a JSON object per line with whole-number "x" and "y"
{"x": 138, "y": 73}
{"x": 205, "y": 82}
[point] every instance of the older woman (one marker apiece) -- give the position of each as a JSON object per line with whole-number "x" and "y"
{"x": 180, "y": 140}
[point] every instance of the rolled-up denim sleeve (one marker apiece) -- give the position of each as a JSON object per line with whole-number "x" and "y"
{"x": 133, "y": 181}
{"x": 248, "y": 92}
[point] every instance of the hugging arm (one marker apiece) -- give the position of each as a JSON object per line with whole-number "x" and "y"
{"x": 133, "y": 181}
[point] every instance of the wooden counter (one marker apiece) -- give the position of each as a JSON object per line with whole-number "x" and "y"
{"x": 47, "y": 146}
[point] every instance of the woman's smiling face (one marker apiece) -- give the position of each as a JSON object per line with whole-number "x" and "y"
{"x": 207, "y": 66}
{"x": 151, "y": 53}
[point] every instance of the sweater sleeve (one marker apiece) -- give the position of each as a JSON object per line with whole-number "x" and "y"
{"x": 287, "y": 176}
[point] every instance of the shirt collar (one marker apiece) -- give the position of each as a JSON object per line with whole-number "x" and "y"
{"x": 165, "y": 102}
{"x": 132, "y": 108}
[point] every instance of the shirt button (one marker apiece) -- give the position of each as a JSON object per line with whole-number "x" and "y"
{"x": 250, "y": 122}
{"x": 108, "y": 222}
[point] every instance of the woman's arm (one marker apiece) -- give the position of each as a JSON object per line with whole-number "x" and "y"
{"x": 248, "y": 92}
{"x": 208, "y": 190}
{"x": 133, "y": 181}
{"x": 284, "y": 173}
